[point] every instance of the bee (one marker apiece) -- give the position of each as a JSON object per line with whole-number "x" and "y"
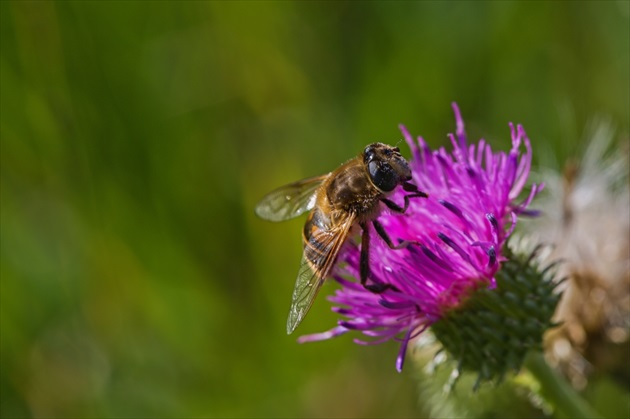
{"x": 338, "y": 201}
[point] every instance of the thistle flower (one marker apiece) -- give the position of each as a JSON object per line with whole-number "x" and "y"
{"x": 461, "y": 229}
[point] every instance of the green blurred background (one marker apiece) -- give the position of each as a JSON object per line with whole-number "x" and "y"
{"x": 138, "y": 136}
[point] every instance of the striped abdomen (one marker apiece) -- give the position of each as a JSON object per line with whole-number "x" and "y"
{"x": 317, "y": 237}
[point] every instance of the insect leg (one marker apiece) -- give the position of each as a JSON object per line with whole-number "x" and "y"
{"x": 415, "y": 194}
{"x": 410, "y": 187}
{"x": 381, "y": 232}
{"x": 364, "y": 263}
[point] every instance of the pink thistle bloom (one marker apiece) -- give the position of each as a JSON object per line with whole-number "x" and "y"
{"x": 460, "y": 230}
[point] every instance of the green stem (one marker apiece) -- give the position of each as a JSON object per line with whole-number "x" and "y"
{"x": 556, "y": 390}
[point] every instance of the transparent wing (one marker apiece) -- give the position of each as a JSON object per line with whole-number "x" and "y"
{"x": 314, "y": 269}
{"x": 289, "y": 201}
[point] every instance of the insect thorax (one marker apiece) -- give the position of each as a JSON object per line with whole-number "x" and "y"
{"x": 352, "y": 191}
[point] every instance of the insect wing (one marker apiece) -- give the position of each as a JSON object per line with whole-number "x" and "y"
{"x": 314, "y": 269}
{"x": 289, "y": 201}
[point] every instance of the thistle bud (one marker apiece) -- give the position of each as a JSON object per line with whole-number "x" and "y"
{"x": 492, "y": 331}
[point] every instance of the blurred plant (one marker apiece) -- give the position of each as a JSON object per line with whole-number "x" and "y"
{"x": 135, "y": 139}
{"x": 586, "y": 216}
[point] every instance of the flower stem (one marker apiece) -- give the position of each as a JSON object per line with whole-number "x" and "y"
{"x": 556, "y": 390}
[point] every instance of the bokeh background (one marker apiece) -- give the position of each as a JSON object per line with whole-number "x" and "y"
{"x": 138, "y": 136}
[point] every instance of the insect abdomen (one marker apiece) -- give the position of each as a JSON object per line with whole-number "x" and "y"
{"x": 316, "y": 235}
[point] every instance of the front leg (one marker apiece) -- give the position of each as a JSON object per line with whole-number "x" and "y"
{"x": 415, "y": 193}
{"x": 381, "y": 232}
{"x": 364, "y": 263}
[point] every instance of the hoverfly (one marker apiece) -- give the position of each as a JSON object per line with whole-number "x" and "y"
{"x": 337, "y": 201}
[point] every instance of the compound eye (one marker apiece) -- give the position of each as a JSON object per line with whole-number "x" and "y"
{"x": 383, "y": 176}
{"x": 368, "y": 153}
{"x": 373, "y": 169}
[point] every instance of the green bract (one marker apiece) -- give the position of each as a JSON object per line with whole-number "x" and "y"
{"x": 491, "y": 332}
